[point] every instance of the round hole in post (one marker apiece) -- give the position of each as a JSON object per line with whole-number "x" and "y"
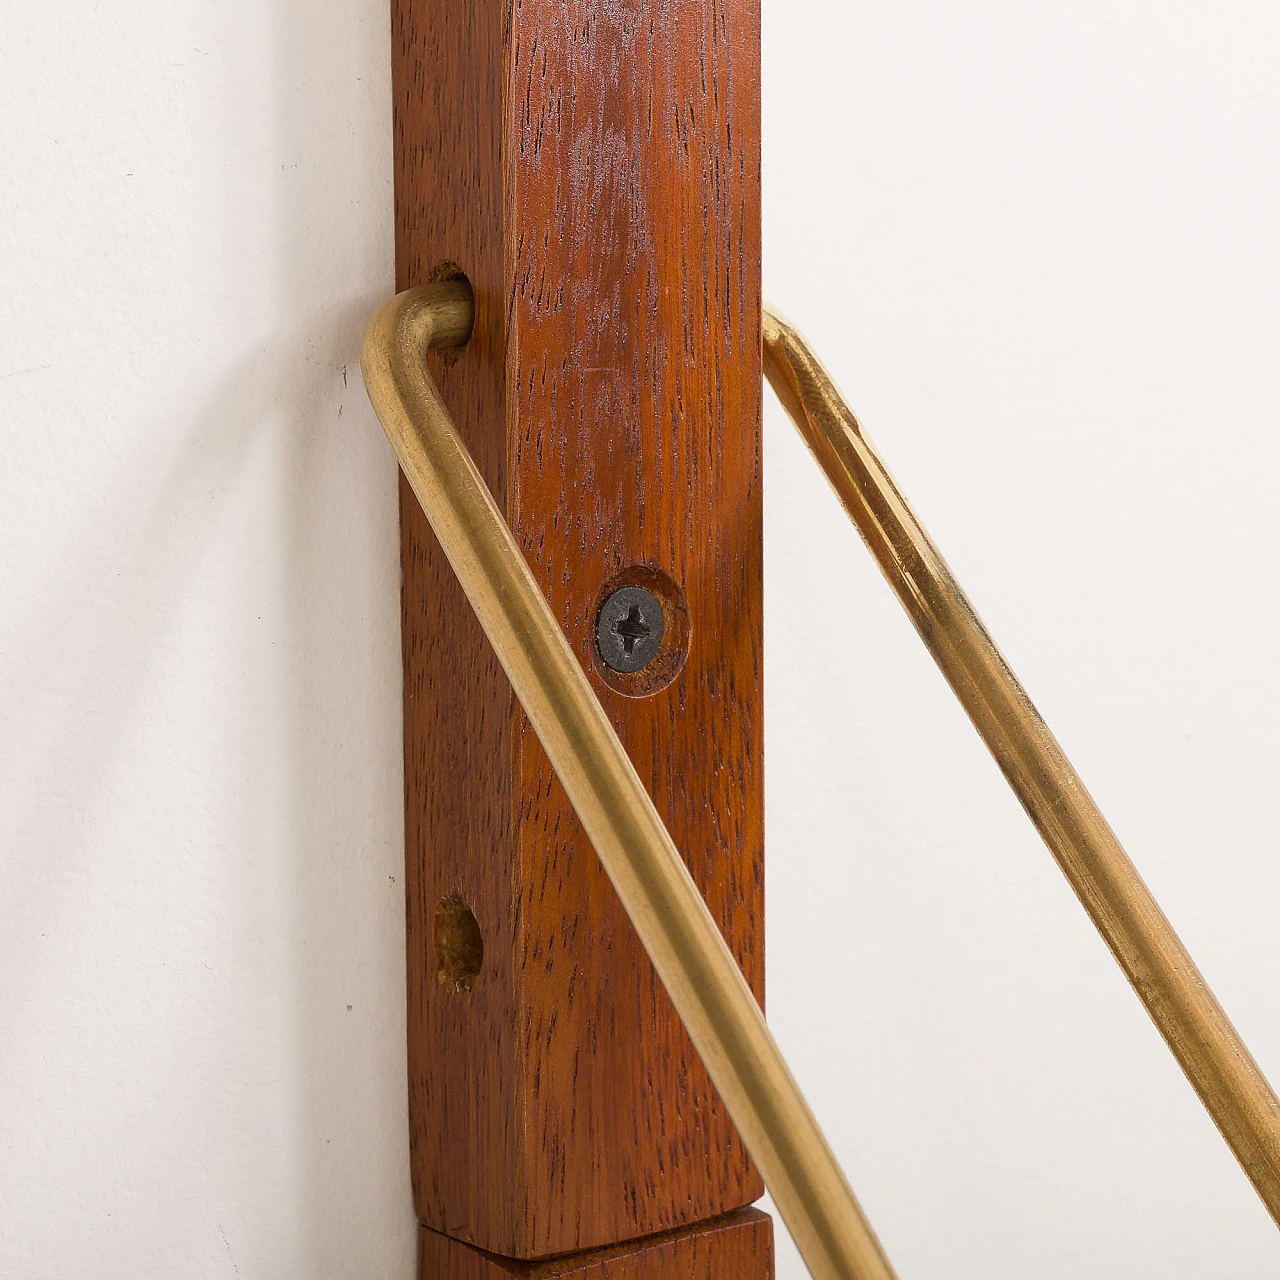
{"x": 459, "y": 944}
{"x": 449, "y": 356}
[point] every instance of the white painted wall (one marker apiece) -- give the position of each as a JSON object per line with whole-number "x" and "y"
{"x": 201, "y": 921}
{"x": 1037, "y": 246}
{"x": 1037, "y": 243}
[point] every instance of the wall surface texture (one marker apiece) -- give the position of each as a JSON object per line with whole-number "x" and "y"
{"x": 1036, "y": 245}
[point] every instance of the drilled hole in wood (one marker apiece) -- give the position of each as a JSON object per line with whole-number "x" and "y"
{"x": 448, "y": 356}
{"x": 459, "y": 945}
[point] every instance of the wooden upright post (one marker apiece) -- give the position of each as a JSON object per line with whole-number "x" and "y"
{"x": 593, "y": 168}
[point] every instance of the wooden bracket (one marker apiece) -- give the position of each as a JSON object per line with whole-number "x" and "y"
{"x": 594, "y": 170}
{"x": 737, "y": 1245}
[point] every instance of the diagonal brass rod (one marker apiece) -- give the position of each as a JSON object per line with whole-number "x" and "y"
{"x": 1202, "y": 1039}
{"x": 696, "y": 967}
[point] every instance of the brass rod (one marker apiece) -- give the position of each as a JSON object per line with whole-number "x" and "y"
{"x": 1202, "y": 1039}
{"x": 696, "y": 967}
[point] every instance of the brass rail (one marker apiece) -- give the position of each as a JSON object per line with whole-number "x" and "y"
{"x": 1202, "y": 1039}
{"x": 696, "y": 967}
{"x": 661, "y": 899}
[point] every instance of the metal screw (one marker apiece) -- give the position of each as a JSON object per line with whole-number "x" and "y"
{"x": 629, "y": 629}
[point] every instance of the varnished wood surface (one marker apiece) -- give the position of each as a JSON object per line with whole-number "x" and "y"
{"x": 738, "y": 1246}
{"x": 594, "y": 170}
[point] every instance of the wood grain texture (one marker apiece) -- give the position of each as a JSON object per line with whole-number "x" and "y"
{"x": 738, "y": 1246}
{"x": 593, "y": 168}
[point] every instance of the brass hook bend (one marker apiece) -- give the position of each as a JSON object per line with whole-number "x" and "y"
{"x": 696, "y": 967}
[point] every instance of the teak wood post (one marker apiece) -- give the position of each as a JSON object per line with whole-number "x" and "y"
{"x": 593, "y": 168}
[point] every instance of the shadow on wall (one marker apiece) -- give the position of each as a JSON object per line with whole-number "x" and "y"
{"x": 341, "y": 588}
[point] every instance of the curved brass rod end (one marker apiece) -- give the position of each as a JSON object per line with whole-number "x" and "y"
{"x": 410, "y": 324}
